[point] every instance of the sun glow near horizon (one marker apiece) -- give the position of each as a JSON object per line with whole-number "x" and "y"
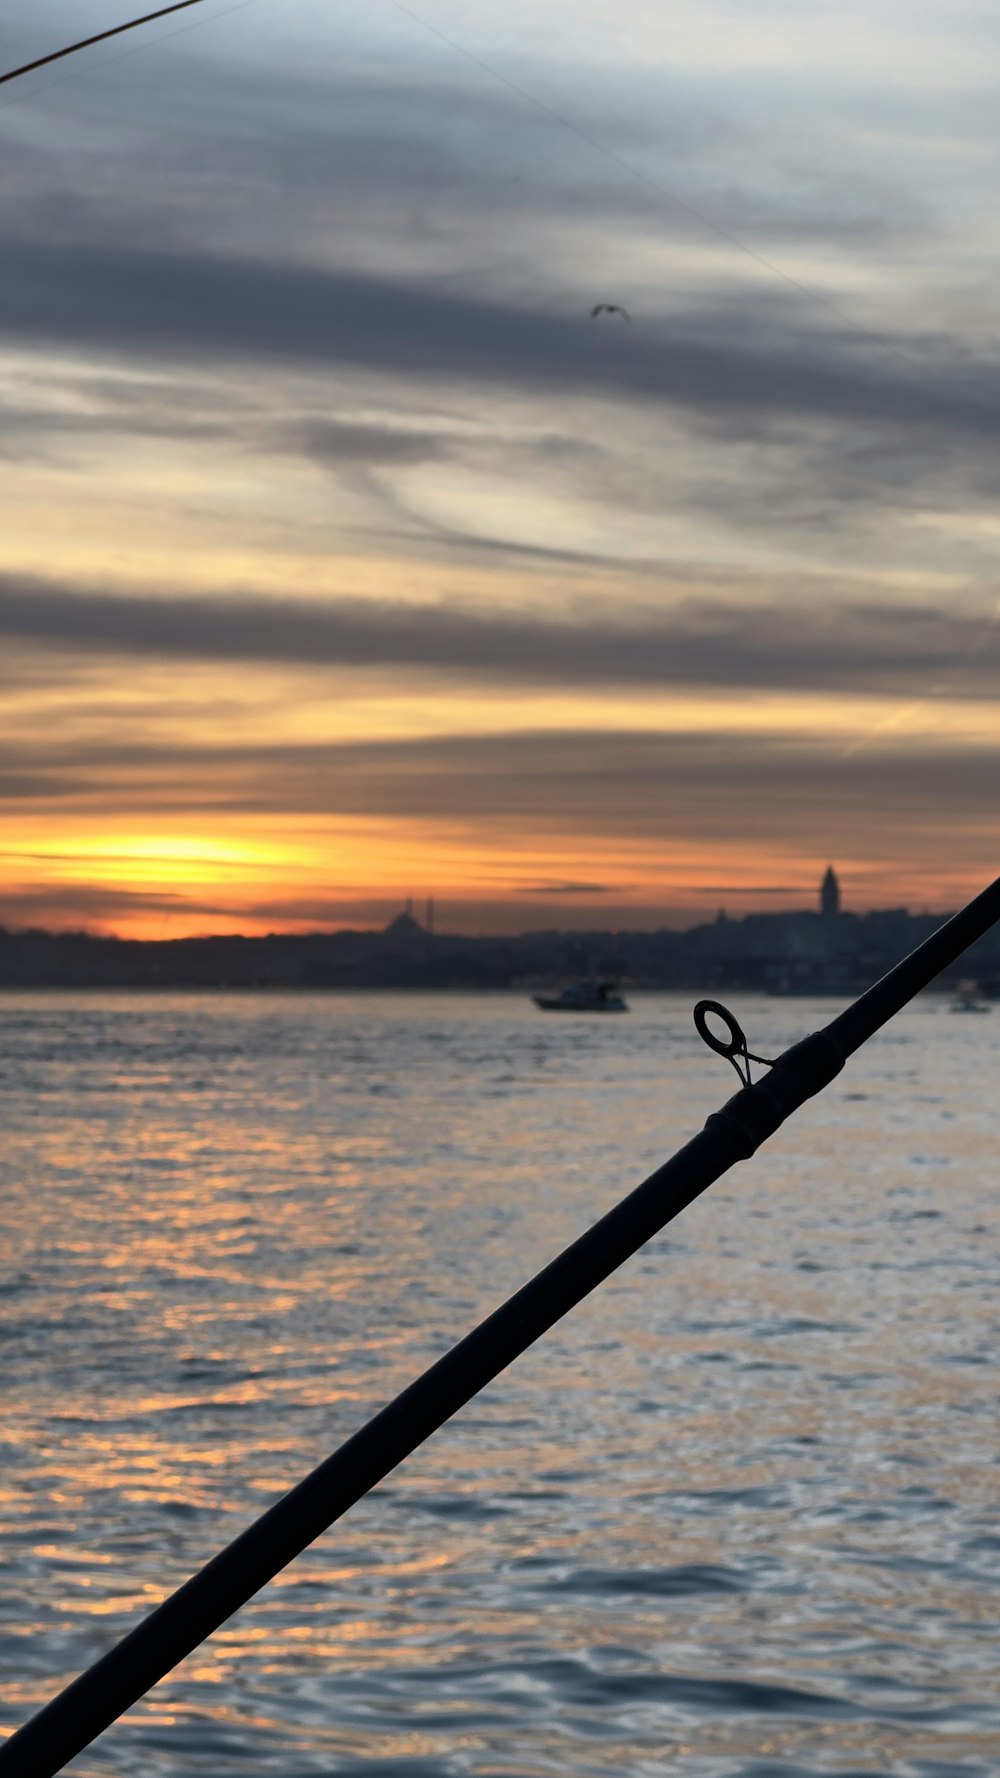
{"x": 154, "y": 886}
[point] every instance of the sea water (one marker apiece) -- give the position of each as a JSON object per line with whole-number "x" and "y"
{"x": 736, "y": 1517}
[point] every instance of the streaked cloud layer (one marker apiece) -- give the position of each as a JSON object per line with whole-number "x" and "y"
{"x": 345, "y": 556}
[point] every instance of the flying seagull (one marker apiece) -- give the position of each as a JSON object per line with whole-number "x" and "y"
{"x": 610, "y": 309}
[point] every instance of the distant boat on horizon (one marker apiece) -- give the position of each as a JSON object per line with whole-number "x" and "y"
{"x": 966, "y": 999}
{"x": 596, "y": 996}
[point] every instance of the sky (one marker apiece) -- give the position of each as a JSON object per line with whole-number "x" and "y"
{"x": 345, "y": 556}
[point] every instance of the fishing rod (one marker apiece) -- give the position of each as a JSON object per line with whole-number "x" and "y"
{"x": 733, "y": 1133}
{"x": 57, "y": 55}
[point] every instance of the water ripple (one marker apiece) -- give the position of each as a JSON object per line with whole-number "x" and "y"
{"x": 736, "y": 1518}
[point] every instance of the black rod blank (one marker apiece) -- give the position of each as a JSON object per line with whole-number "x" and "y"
{"x": 93, "y": 1701}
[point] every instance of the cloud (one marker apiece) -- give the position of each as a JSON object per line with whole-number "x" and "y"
{"x": 33, "y": 903}
{"x": 757, "y": 889}
{"x": 793, "y": 794}
{"x": 334, "y": 442}
{"x": 438, "y": 150}
{"x": 36, "y": 430}
{"x": 188, "y": 306}
{"x": 793, "y": 643}
{"x": 567, "y": 889}
{"x": 37, "y": 786}
{"x": 629, "y": 784}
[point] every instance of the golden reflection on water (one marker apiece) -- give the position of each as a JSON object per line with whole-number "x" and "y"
{"x": 739, "y": 1508}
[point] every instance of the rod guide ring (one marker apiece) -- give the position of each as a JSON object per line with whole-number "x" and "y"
{"x": 736, "y": 1045}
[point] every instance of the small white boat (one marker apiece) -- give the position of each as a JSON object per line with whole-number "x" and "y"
{"x": 583, "y": 997}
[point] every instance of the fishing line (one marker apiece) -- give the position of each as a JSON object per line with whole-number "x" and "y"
{"x": 900, "y": 355}
{"x": 109, "y": 61}
{"x": 71, "y": 49}
{"x": 769, "y": 265}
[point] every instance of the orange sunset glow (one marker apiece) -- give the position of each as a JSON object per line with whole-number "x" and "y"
{"x": 348, "y": 555}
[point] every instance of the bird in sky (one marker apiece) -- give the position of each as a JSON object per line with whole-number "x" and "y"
{"x": 610, "y": 309}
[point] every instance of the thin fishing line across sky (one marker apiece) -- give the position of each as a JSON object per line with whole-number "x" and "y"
{"x": 72, "y": 49}
{"x": 348, "y": 555}
{"x": 634, "y": 171}
{"x": 771, "y": 267}
{"x": 89, "y": 64}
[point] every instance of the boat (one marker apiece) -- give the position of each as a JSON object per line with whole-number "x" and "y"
{"x": 599, "y": 996}
{"x": 966, "y": 999}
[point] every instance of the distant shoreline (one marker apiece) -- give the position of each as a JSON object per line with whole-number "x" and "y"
{"x": 800, "y": 954}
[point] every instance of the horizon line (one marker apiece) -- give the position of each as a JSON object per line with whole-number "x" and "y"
{"x": 327, "y": 931}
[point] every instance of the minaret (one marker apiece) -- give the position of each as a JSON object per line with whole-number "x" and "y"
{"x": 829, "y": 895}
